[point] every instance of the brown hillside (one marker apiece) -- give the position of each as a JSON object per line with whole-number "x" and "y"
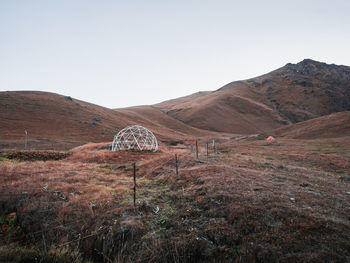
{"x": 163, "y": 125}
{"x": 293, "y": 93}
{"x": 57, "y": 122}
{"x": 224, "y": 111}
{"x": 330, "y": 126}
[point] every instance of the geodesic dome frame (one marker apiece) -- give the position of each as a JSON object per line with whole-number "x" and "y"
{"x": 135, "y": 137}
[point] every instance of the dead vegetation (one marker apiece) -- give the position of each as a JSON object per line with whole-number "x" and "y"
{"x": 251, "y": 202}
{"x": 36, "y": 155}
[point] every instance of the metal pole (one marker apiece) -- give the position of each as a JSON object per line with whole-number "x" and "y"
{"x": 176, "y": 167}
{"x": 134, "y": 184}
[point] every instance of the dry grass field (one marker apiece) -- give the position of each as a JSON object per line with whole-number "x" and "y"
{"x": 68, "y": 198}
{"x": 251, "y": 201}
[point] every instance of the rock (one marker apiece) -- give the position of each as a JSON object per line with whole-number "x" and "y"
{"x": 46, "y": 187}
{"x": 115, "y": 195}
{"x": 68, "y": 98}
{"x": 260, "y": 136}
{"x": 274, "y": 223}
{"x": 93, "y": 204}
{"x": 156, "y": 210}
{"x": 106, "y": 147}
{"x": 96, "y": 119}
{"x": 60, "y": 195}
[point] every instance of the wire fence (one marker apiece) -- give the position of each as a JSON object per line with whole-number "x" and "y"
{"x": 173, "y": 162}
{"x": 46, "y": 188}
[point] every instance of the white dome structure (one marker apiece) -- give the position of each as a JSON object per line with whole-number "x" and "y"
{"x": 135, "y": 137}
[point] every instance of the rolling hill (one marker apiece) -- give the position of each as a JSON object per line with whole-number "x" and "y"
{"x": 60, "y": 122}
{"x": 329, "y": 126}
{"x": 293, "y": 93}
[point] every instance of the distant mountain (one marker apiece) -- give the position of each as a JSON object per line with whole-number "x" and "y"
{"x": 293, "y": 93}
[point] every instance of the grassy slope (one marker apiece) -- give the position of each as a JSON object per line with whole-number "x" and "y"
{"x": 330, "y": 126}
{"x": 57, "y": 122}
{"x": 253, "y": 201}
{"x": 293, "y": 93}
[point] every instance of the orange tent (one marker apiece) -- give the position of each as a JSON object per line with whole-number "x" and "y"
{"x": 270, "y": 138}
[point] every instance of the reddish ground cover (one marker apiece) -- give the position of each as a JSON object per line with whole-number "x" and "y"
{"x": 251, "y": 201}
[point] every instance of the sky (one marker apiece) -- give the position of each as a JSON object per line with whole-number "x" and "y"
{"x": 125, "y": 53}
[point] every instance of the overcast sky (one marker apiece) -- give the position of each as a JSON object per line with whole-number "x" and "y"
{"x": 125, "y": 53}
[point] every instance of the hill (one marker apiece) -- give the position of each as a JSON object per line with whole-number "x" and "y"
{"x": 244, "y": 200}
{"x": 60, "y": 122}
{"x": 330, "y": 126}
{"x": 293, "y": 93}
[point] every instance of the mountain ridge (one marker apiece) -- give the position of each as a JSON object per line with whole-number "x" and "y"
{"x": 291, "y": 94}
{"x": 295, "y": 92}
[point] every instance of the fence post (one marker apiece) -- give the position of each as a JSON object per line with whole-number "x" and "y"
{"x": 26, "y": 139}
{"x": 197, "y": 148}
{"x": 134, "y": 165}
{"x": 207, "y": 150}
{"x": 176, "y": 167}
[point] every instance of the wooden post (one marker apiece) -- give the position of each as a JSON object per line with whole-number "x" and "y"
{"x": 134, "y": 184}
{"x": 26, "y": 139}
{"x": 207, "y": 150}
{"x": 197, "y": 148}
{"x": 176, "y": 167}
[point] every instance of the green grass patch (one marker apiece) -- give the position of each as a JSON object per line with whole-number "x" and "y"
{"x": 3, "y": 157}
{"x": 9, "y": 225}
